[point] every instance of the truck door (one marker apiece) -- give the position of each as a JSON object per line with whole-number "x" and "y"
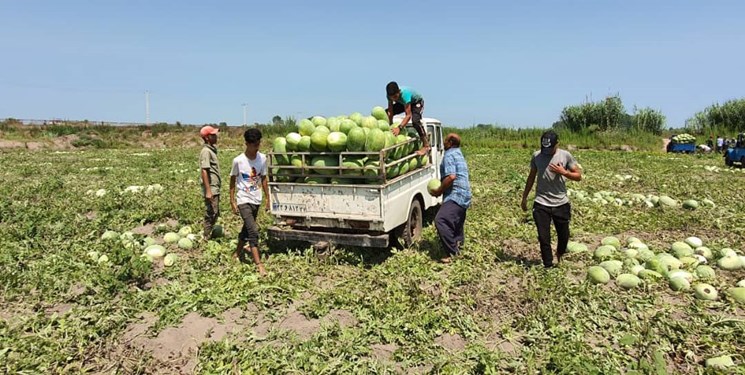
{"x": 434, "y": 131}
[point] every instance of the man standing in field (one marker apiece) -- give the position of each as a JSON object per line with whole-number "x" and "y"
{"x": 249, "y": 171}
{"x": 405, "y": 100}
{"x": 456, "y": 191}
{"x": 551, "y": 166}
{"x": 210, "y": 173}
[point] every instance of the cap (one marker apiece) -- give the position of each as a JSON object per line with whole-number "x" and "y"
{"x": 549, "y": 139}
{"x": 207, "y": 130}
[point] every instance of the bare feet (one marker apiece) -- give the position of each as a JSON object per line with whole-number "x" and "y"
{"x": 262, "y": 271}
{"x": 446, "y": 260}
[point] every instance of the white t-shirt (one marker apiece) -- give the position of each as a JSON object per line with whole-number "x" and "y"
{"x": 249, "y": 176}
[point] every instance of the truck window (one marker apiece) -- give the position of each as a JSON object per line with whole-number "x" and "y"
{"x": 435, "y": 136}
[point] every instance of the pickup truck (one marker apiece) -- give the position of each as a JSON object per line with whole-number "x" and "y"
{"x": 378, "y": 212}
{"x": 736, "y": 153}
{"x": 686, "y": 144}
{"x": 688, "y": 148}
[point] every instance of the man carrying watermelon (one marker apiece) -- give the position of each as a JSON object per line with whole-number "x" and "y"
{"x": 455, "y": 189}
{"x": 551, "y": 166}
{"x": 406, "y": 100}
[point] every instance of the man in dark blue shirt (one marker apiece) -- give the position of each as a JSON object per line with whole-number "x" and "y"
{"x": 456, "y": 192}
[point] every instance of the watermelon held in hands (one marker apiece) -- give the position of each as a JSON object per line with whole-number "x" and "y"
{"x": 433, "y": 185}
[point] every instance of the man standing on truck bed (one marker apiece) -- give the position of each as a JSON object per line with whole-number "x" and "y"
{"x": 405, "y": 100}
{"x": 456, "y": 191}
{"x": 248, "y": 172}
{"x": 211, "y": 180}
{"x": 551, "y": 166}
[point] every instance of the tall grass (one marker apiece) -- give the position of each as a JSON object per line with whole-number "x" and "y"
{"x": 107, "y": 136}
{"x": 495, "y": 137}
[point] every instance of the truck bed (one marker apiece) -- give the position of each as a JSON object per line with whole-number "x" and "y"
{"x": 369, "y": 207}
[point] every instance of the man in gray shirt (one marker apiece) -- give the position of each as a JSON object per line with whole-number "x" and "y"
{"x": 211, "y": 180}
{"x": 551, "y": 166}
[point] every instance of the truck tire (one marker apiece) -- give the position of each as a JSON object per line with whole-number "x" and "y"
{"x": 742, "y": 162}
{"x": 411, "y": 231}
{"x": 727, "y": 161}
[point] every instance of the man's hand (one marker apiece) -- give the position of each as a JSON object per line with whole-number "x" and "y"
{"x": 267, "y": 206}
{"x": 234, "y": 206}
{"x": 436, "y": 193}
{"x": 524, "y": 205}
{"x": 396, "y": 130}
{"x": 208, "y": 195}
{"x": 558, "y": 169}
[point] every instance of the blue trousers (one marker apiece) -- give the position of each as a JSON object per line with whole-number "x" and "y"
{"x": 449, "y": 222}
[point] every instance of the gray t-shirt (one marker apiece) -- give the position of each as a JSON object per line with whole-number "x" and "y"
{"x": 208, "y": 161}
{"x": 551, "y": 189}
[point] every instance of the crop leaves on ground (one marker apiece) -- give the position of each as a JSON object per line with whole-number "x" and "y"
{"x": 507, "y": 314}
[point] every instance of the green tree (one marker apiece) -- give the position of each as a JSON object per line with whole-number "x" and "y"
{"x": 277, "y": 120}
{"x": 648, "y": 120}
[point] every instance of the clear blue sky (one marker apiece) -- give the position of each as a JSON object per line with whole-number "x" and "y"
{"x": 507, "y": 62}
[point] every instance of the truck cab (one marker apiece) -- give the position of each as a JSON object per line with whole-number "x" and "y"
{"x": 379, "y": 213}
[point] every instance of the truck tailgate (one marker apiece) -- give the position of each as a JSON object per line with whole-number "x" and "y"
{"x": 327, "y": 201}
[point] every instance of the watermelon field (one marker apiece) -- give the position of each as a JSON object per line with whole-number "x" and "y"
{"x": 76, "y": 301}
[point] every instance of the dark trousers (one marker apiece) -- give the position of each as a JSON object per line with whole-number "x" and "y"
{"x": 450, "y": 220}
{"x": 250, "y": 231}
{"x": 416, "y": 116}
{"x": 211, "y": 213}
{"x": 560, "y": 215}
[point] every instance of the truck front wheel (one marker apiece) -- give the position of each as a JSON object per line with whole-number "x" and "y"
{"x": 727, "y": 161}
{"x": 411, "y": 231}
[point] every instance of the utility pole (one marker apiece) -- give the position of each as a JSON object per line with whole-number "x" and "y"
{"x": 147, "y": 107}
{"x": 244, "y": 115}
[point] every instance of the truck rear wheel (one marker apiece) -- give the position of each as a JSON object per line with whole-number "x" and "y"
{"x": 727, "y": 161}
{"x": 411, "y": 231}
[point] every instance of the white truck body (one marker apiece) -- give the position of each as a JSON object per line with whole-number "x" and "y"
{"x": 358, "y": 214}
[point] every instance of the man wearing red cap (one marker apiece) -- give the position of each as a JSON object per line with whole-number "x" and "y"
{"x": 210, "y": 171}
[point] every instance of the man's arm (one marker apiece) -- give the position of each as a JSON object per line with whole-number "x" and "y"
{"x": 407, "y": 118}
{"x": 233, "y": 202}
{"x": 528, "y": 187}
{"x": 573, "y": 173}
{"x": 265, "y": 188}
{"x": 206, "y": 183}
{"x": 389, "y": 111}
{"x": 446, "y": 184}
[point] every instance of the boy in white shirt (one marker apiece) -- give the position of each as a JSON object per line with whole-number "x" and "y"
{"x": 248, "y": 173}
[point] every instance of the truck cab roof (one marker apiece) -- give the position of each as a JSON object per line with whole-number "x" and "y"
{"x": 426, "y": 120}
